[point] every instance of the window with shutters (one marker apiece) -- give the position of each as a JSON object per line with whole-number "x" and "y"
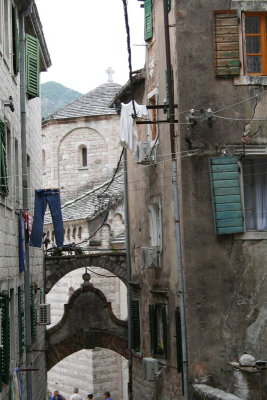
{"x": 15, "y": 41}
{"x": 3, "y": 160}
{"x": 240, "y": 44}
{"x": 6, "y": 20}
{"x": 33, "y": 314}
{"x": 148, "y": 8}
{"x": 179, "y": 350}
{"x": 4, "y": 338}
{"x": 226, "y": 43}
{"x": 21, "y": 319}
{"x": 136, "y": 333}
{"x": 239, "y": 190}
{"x": 158, "y": 329}
{"x": 32, "y": 66}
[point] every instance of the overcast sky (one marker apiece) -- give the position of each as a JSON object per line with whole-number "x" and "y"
{"x": 86, "y": 37}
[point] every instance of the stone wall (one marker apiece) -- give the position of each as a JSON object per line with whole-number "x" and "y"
{"x": 10, "y": 278}
{"x": 62, "y": 143}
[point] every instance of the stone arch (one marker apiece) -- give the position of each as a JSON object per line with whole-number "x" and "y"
{"x": 87, "y": 322}
{"x": 58, "y": 266}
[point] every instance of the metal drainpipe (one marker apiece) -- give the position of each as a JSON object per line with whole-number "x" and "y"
{"x": 22, "y": 15}
{"x": 176, "y": 201}
{"x": 128, "y": 264}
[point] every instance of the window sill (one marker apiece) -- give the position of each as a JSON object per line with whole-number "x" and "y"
{"x": 82, "y": 168}
{"x": 251, "y": 235}
{"x": 250, "y": 80}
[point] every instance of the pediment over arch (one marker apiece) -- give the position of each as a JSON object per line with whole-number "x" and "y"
{"x": 87, "y": 322}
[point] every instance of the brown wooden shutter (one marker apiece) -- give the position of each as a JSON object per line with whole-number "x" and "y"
{"x": 226, "y": 43}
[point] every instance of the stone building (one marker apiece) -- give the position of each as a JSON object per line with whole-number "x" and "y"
{"x": 80, "y": 154}
{"x": 20, "y": 143}
{"x": 197, "y": 203}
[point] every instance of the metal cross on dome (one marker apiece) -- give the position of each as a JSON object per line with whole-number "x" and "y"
{"x": 110, "y": 72}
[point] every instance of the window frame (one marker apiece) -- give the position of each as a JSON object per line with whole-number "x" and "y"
{"x": 153, "y": 129}
{"x": 155, "y": 327}
{"x": 244, "y": 7}
{"x": 155, "y": 219}
{"x": 242, "y": 186}
{"x": 263, "y": 42}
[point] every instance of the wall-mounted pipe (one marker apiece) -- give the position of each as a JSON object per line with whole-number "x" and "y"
{"x": 176, "y": 202}
{"x": 23, "y": 111}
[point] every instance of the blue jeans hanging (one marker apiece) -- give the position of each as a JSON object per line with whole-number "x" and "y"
{"x": 42, "y": 197}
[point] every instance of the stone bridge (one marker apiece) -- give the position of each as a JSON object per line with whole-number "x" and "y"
{"x": 87, "y": 322}
{"x": 58, "y": 266}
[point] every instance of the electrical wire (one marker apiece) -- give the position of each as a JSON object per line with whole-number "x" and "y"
{"x": 240, "y": 102}
{"x": 129, "y": 53}
{"x": 238, "y": 119}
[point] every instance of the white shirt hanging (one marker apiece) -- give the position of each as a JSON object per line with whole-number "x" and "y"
{"x": 128, "y": 132}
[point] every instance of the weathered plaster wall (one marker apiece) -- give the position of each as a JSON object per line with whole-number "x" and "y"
{"x": 225, "y": 275}
{"x": 147, "y": 183}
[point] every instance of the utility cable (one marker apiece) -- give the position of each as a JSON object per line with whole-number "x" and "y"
{"x": 129, "y": 54}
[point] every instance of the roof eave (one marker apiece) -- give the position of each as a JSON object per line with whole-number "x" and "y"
{"x": 141, "y": 76}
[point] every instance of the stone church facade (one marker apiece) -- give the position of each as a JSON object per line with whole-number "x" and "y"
{"x": 80, "y": 155}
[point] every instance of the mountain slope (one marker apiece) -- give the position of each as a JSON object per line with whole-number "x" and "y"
{"x": 55, "y": 96}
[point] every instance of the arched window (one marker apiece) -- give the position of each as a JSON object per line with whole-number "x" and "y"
{"x": 74, "y": 233}
{"x": 80, "y": 230}
{"x": 68, "y": 234}
{"x": 84, "y": 157}
{"x": 53, "y": 236}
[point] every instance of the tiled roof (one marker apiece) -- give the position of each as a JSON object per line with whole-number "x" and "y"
{"x": 93, "y": 202}
{"x": 95, "y": 102}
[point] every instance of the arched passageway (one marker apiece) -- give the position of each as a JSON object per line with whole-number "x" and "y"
{"x": 58, "y": 266}
{"x": 87, "y": 322}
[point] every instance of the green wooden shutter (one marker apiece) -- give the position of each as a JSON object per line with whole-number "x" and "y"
{"x": 3, "y": 164}
{"x": 33, "y": 315}
{"x": 169, "y": 3}
{"x": 179, "y": 350}
{"x": 153, "y": 328}
{"x": 32, "y": 65}
{"x": 15, "y": 41}
{"x": 226, "y": 43}
{"x": 5, "y": 338}
{"x": 21, "y": 319}
{"x": 148, "y": 7}
{"x": 165, "y": 329}
{"x": 228, "y": 210}
{"x": 136, "y": 336}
